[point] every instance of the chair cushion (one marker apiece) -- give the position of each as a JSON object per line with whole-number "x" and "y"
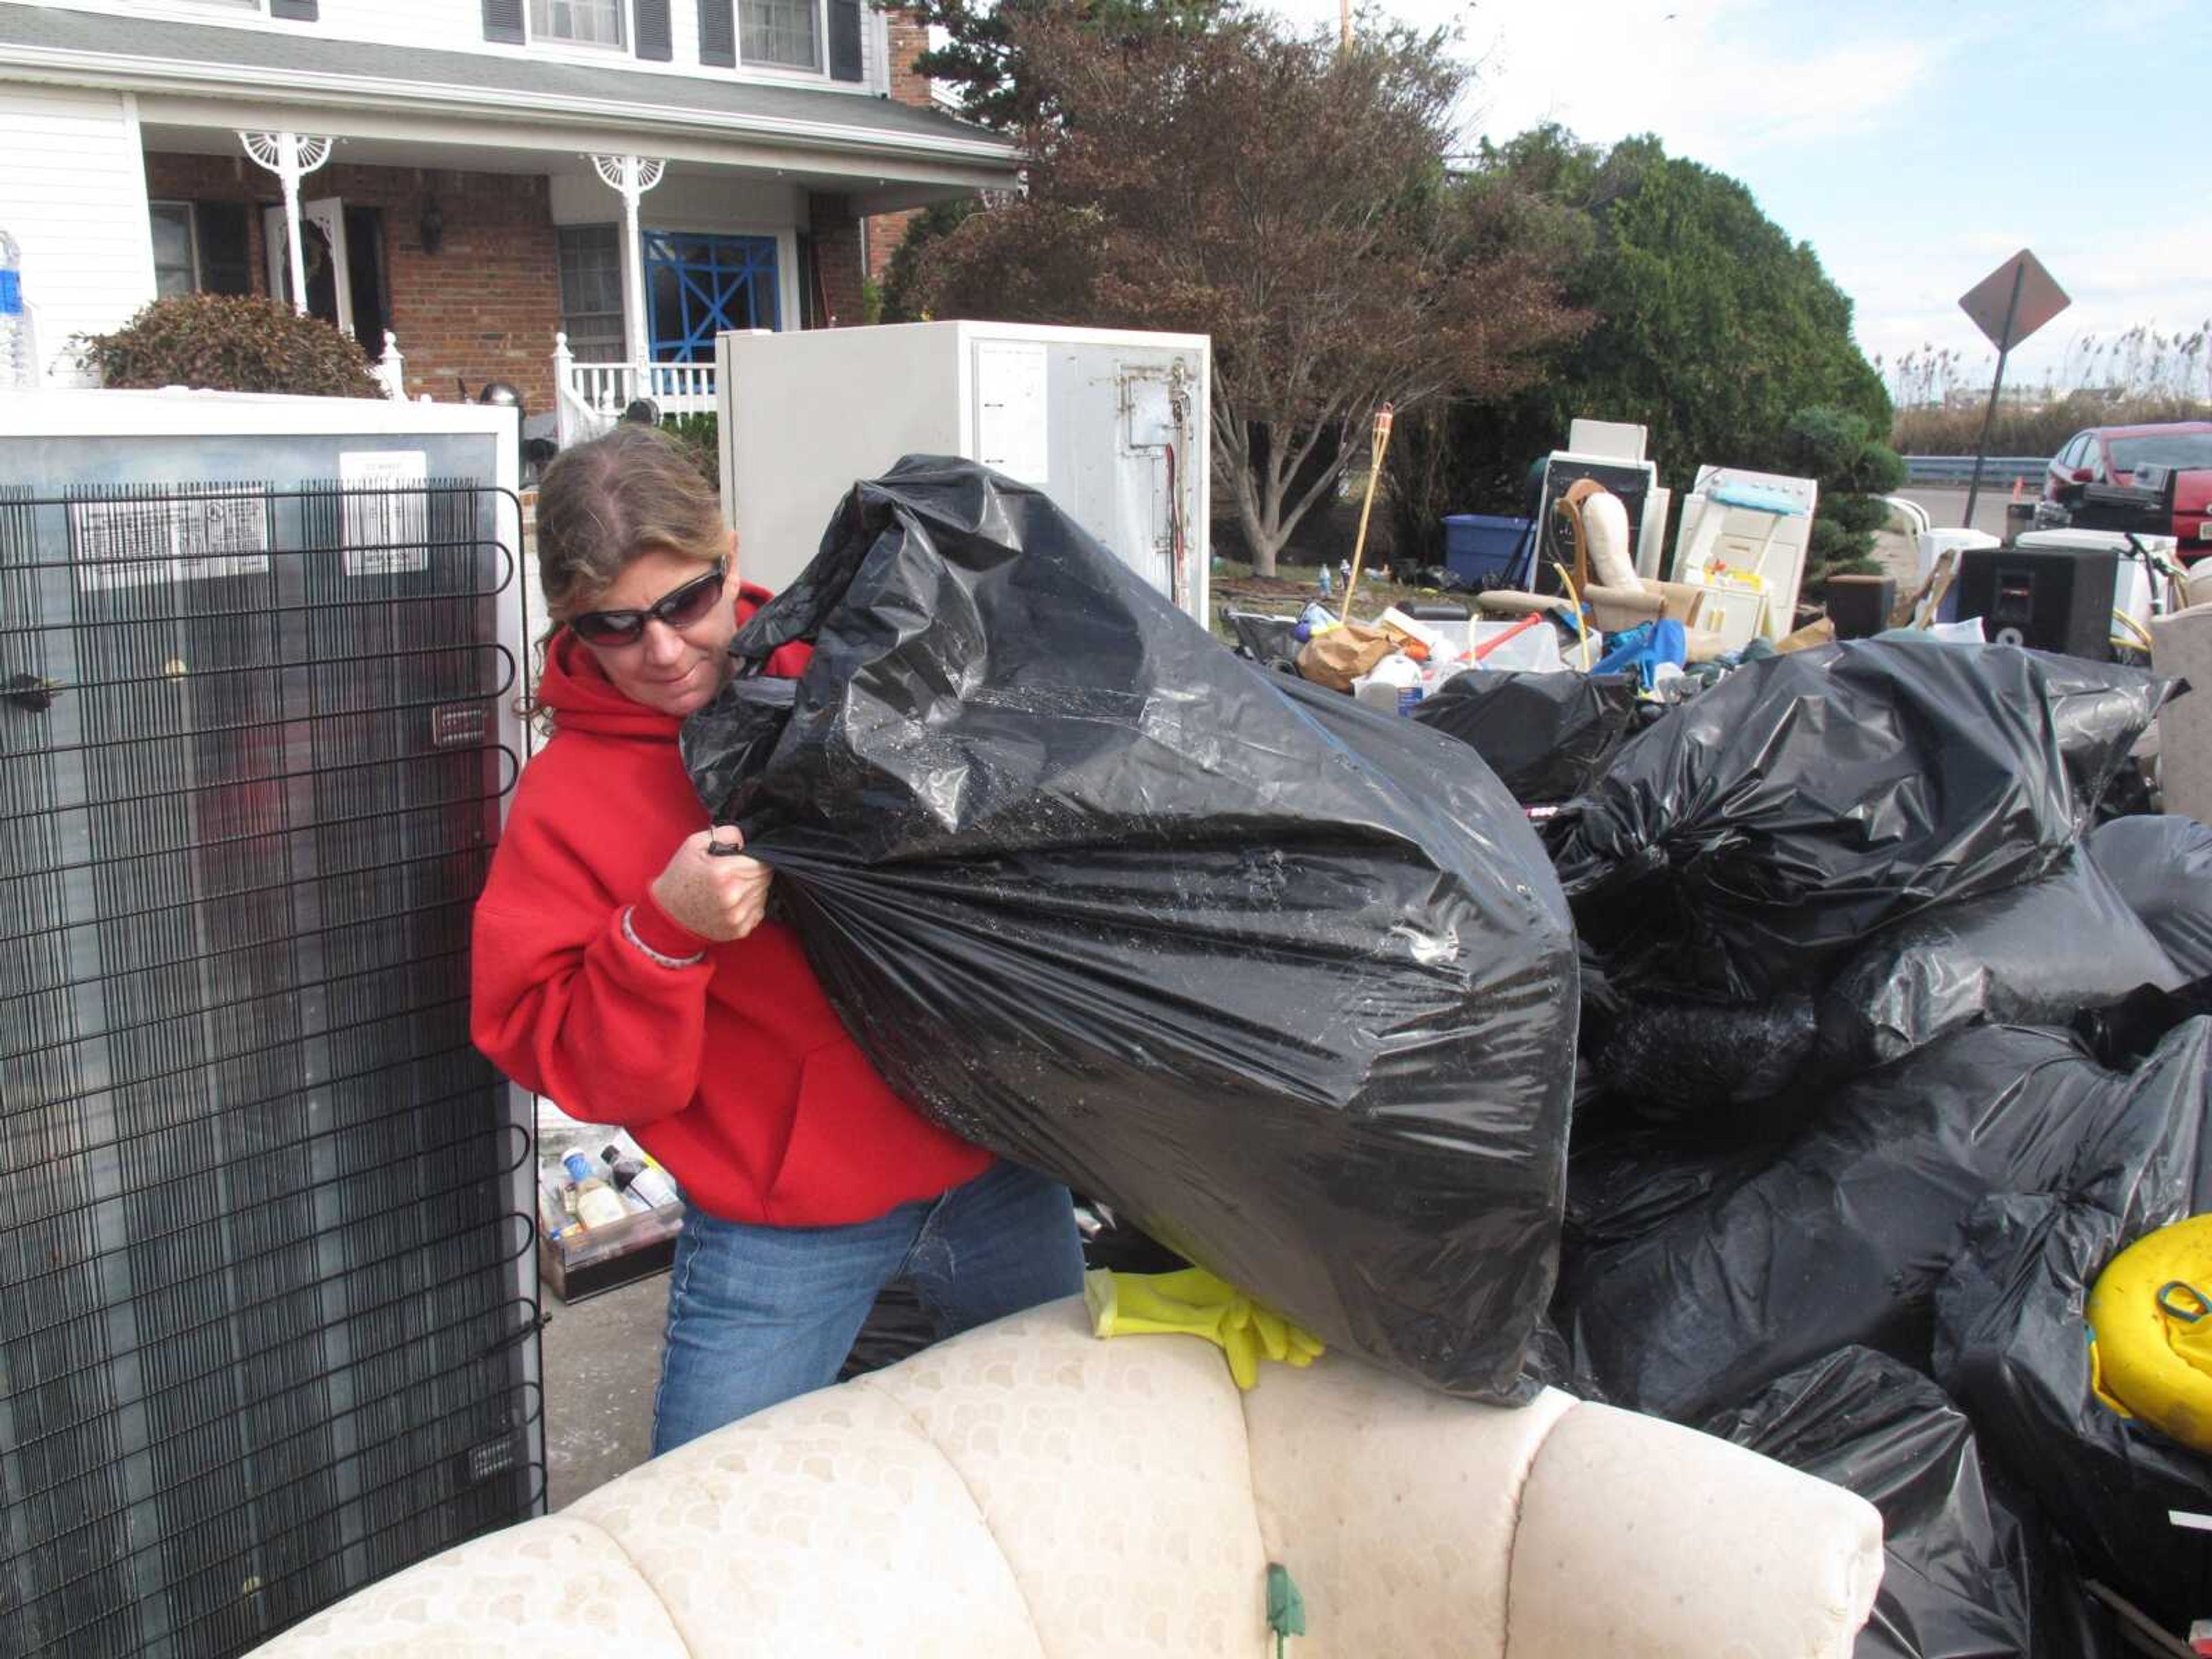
{"x": 1639, "y": 1536}
{"x": 828, "y": 1525}
{"x": 557, "y": 1585}
{"x": 1116, "y": 1476}
{"x": 1394, "y": 1509}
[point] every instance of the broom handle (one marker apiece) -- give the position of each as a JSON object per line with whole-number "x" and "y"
{"x": 1377, "y": 446}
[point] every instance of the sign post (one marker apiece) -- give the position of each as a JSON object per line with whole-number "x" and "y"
{"x": 2009, "y": 304}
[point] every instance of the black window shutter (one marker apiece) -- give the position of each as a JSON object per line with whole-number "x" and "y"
{"x": 844, "y": 39}
{"x": 718, "y": 33}
{"x": 299, "y": 11}
{"x": 655, "y": 40}
{"x": 503, "y": 21}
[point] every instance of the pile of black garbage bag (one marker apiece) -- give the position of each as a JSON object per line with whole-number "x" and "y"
{"x": 1874, "y": 1041}
{"x": 1887, "y": 1051}
{"x": 1287, "y": 984}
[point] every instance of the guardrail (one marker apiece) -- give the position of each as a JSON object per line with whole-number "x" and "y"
{"x": 1939, "y": 470}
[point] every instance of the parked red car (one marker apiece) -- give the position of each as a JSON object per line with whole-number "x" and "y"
{"x": 2111, "y": 454}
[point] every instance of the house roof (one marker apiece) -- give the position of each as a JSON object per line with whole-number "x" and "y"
{"x": 212, "y": 59}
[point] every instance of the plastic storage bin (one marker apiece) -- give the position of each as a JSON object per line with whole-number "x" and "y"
{"x": 1479, "y": 547}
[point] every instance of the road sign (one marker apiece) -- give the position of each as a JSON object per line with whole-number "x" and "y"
{"x": 2008, "y": 305}
{"x": 2009, "y": 314}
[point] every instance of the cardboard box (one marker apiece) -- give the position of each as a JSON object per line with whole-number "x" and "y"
{"x": 581, "y": 1264}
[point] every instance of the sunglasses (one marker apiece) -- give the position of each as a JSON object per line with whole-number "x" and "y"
{"x": 679, "y": 609}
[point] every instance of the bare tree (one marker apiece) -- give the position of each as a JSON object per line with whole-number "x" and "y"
{"x": 1286, "y": 196}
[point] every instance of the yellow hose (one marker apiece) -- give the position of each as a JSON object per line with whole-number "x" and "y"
{"x": 1582, "y": 627}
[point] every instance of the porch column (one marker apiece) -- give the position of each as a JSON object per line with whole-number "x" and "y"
{"x": 631, "y": 176}
{"x": 291, "y": 158}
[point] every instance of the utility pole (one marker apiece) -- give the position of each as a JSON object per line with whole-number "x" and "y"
{"x": 1344, "y": 12}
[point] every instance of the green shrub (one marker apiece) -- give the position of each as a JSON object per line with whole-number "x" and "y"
{"x": 230, "y": 343}
{"x": 699, "y": 436}
{"x": 1855, "y": 515}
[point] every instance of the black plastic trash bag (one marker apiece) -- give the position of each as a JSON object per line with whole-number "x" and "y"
{"x": 2037, "y": 954}
{"x": 2012, "y": 1342}
{"x": 1625, "y": 1177}
{"x": 1741, "y": 844}
{"x": 1842, "y": 1238}
{"x": 1287, "y": 983}
{"x": 1271, "y": 641}
{"x": 897, "y": 1328}
{"x": 1548, "y": 737}
{"x": 1685, "y": 1059}
{"x": 2163, "y": 868}
{"x": 1963, "y": 1573}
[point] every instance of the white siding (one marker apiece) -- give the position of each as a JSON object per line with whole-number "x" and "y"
{"x": 74, "y": 197}
{"x": 457, "y": 26}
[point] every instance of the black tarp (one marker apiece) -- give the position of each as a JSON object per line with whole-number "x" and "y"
{"x": 1743, "y": 843}
{"x": 1287, "y": 983}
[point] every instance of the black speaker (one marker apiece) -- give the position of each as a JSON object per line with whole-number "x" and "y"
{"x": 1860, "y": 605}
{"x": 2055, "y": 598}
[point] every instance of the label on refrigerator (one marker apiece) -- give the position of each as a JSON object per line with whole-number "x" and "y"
{"x": 387, "y": 511}
{"x": 128, "y": 541}
{"x": 1012, "y": 425}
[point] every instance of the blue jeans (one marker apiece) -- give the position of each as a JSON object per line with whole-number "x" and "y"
{"x": 759, "y": 1315}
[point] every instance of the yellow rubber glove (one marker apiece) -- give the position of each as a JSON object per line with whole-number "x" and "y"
{"x": 1194, "y": 1303}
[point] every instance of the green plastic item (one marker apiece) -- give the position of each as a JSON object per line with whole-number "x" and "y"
{"x": 1286, "y": 1608}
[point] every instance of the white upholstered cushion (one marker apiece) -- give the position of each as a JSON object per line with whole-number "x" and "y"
{"x": 1114, "y": 1475}
{"x": 1394, "y": 1509}
{"x": 558, "y": 1585}
{"x": 1640, "y": 1537}
{"x": 829, "y": 1525}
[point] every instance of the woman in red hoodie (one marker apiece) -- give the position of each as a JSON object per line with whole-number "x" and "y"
{"x": 625, "y": 966}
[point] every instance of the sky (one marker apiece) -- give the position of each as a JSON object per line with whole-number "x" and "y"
{"x": 1914, "y": 145}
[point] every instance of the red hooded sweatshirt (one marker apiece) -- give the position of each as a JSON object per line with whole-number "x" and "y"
{"x": 736, "y": 1073}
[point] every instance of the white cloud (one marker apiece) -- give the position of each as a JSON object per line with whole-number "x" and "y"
{"x": 2118, "y": 276}
{"x": 1719, "y": 80}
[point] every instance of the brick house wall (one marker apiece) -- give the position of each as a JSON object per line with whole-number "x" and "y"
{"x": 908, "y": 41}
{"x": 485, "y": 306}
{"x": 836, "y": 237}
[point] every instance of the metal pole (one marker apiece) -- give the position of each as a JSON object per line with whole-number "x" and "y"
{"x": 1989, "y": 418}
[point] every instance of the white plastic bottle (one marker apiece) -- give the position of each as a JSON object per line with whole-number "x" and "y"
{"x": 596, "y": 1203}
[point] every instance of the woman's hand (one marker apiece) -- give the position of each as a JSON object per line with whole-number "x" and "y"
{"x": 718, "y": 894}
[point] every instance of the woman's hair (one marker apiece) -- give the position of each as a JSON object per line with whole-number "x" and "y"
{"x": 602, "y": 503}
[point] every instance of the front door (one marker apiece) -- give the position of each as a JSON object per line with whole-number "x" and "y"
{"x": 322, "y": 247}
{"x": 698, "y": 286}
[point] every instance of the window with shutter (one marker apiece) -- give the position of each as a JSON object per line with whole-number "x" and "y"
{"x": 718, "y": 33}
{"x": 582, "y": 23}
{"x": 781, "y": 33}
{"x": 502, "y": 21}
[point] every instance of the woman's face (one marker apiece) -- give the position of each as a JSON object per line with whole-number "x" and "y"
{"x": 674, "y": 670}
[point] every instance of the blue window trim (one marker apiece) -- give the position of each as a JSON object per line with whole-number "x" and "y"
{"x": 733, "y": 285}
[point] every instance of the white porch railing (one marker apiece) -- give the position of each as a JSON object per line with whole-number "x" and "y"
{"x": 390, "y": 369}
{"x": 592, "y": 396}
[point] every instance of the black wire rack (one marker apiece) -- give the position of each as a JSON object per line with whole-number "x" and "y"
{"x": 266, "y": 1329}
